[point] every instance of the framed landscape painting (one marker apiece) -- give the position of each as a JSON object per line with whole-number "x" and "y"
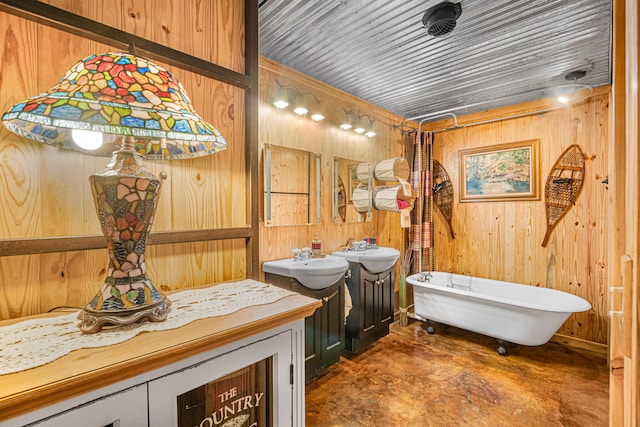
{"x": 500, "y": 172}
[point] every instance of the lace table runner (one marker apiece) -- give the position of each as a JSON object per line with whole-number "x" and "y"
{"x": 36, "y": 342}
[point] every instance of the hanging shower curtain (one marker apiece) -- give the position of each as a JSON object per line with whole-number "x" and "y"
{"x": 421, "y": 231}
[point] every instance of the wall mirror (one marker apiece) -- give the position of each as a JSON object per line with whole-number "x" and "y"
{"x": 351, "y": 201}
{"x": 291, "y": 186}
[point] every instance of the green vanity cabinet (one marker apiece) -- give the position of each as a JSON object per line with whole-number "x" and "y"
{"x": 372, "y": 311}
{"x": 325, "y": 329}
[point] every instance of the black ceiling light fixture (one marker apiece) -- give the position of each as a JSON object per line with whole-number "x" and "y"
{"x": 441, "y": 19}
{"x": 575, "y": 75}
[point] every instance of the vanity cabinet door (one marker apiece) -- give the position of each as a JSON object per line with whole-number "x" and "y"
{"x": 385, "y": 281}
{"x": 372, "y": 311}
{"x": 127, "y": 408}
{"x": 333, "y": 326}
{"x": 324, "y": 329}
{"x": 313, "y": 334}
{"x": 377, "y": 301}
{"x": 369, "y": 310}
{"x": 324, "y": 333}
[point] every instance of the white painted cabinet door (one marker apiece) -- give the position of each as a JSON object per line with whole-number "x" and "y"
{"x": 125, "y": 409}
{"x": 232, "y": 402}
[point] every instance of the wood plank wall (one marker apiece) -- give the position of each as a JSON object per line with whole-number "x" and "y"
{"x": 45, "y": 193}
{"x": 502, "y": 240}
{"x": 284, "y": 128}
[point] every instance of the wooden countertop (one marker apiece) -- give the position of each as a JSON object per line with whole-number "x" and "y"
{"x": 85, "y": 370}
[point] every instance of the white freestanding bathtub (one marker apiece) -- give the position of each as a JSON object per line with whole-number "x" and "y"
{"x": 520, "y": 314}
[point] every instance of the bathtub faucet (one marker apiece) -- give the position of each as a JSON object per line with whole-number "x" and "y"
{"x": 425, "y": 276}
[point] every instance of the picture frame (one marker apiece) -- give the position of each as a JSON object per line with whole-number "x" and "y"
{"x": 503, "y": 172}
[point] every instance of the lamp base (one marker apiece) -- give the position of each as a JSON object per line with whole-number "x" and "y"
{"x": 93, "y": 321}
{"x": 126, "y": 196}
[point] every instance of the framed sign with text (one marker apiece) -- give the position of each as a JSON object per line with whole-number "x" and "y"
{"x": 242, "y": 398}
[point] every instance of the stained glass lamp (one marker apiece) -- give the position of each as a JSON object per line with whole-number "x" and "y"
{"x": 128, "y": 108}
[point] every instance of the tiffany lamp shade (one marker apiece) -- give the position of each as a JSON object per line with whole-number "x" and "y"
{"x": 126, "y": 107}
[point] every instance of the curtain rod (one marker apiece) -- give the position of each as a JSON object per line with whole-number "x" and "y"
{"x": 496, "y": 119}
{"x": 579, "y": 86}
{"x": 514, "y": 116}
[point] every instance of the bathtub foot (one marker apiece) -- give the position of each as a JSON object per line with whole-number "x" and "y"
{"x": 429, "y": 327}
{"x": 502, "y": 347}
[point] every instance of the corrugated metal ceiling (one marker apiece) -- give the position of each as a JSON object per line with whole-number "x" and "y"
{"x": 501, "y": 52}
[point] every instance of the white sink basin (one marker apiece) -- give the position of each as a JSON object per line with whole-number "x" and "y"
{"x": 374, "y": 260}
{"x": 314, "y": 273}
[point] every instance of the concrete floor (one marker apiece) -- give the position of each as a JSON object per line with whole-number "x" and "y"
{"x": 457, "y": 378}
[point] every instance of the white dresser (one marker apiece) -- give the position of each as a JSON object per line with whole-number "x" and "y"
{"x": 246, "y": 368}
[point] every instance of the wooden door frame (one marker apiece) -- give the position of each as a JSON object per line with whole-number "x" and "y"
{"x": 623, "y": 220}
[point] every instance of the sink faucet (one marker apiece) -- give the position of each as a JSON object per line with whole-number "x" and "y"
{"x": 303, "y": 254}
{"x": 349, "y": 245}
{"x": 360, "y": 246}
